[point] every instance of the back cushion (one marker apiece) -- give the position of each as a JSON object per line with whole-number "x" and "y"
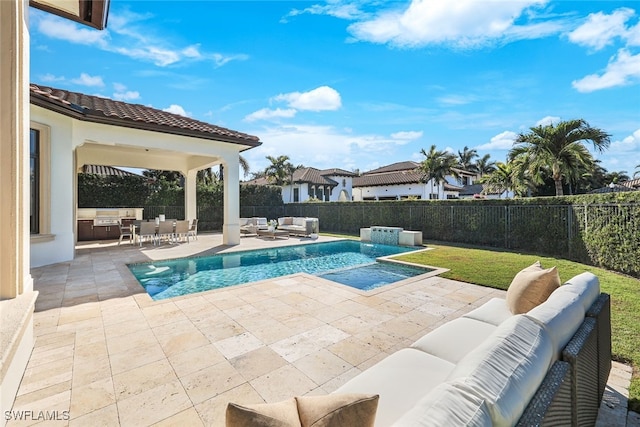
{"x": 299, "y": 221}
{"x": 507, "y": 368}
{"x": 495, "y": 311}
{"x": 287, "y": 220}
{"x": 586, "y": 286}
{"x": 449, "y": 404}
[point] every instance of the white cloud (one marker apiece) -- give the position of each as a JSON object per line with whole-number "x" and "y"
{"x": 268, "y": 114}
{"x": 87, "y": 80}
{"x": 122, "y": 94}
{"x": 49, "y": 78}
{"x": 320, "y": 99}
{"x": 502, "y": 141}
{"x": 630, "y": 144}
{"x": 548, "y": 120}
{"x": 63, "y": 29}
{"x": 337, "y": 10}
{"x": 176, "y": 109}
{"x": 127, "y": 35}
{"x": 407, "y": 135}
{"x": 623, "y": 69}
{"x": 461, "y": 24}
{"x": 456, "y": 99}
{"x": 601, "y": 29}
{"x": 320, "y": 146}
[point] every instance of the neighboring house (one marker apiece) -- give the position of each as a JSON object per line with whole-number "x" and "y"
{"x": 618, "y": 188}
{"x": 105, "y": 171}
{"x": 402, "y": 180}
{"x": 329, "y": 185}
{"x": 77, "y": 129}
{"x": 632, "y": 183}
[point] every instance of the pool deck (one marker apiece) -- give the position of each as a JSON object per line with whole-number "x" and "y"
{"x": 109, "y": 355}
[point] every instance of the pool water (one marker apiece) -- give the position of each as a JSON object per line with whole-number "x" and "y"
{"x": 348, "y": 262}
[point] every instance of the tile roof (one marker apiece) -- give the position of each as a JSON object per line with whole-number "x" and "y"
{"x": 632, "y": 183}
{"x": 104, "y": 110}
{"x": 107, "y": 171}
{"x": 387, "y": 178}
{"x": 312, "y": 176}
{"x": 394, "y": 167}
{"x": 337, "y": 172}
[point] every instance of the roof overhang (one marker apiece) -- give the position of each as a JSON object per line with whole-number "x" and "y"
{"x": 93, "y": 13}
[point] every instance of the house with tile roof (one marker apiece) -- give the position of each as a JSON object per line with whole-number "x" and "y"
{"x": 308, "y": 183}
{"x": 80, "y": 130}
{"x": 403, "y": 180}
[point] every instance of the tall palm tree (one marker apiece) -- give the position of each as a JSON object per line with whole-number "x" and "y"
{"x": 466, "y": 157}
{"x": 637, "y": 172}
{"x": 280, "y": 170}
{"x": 484, "y": 165}
{"x": 558, "y": 148}
{"x": 437, "y": 165}
{"x": 244, "y": 165}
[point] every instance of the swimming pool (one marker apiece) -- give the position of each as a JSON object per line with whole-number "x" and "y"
{"x": 348, "y": 262}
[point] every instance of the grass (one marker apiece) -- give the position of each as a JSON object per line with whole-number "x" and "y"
{"x": 495, "y": 268}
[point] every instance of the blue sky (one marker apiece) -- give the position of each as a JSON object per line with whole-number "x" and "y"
{"x": 362, "y": 84}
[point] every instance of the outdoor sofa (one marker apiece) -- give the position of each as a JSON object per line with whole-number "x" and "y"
{"x": 300, "y": 226}
{"x": 547, "y": 366}
{"x": 252, "y": 225}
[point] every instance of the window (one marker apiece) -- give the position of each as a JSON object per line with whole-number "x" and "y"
{"x": 34, "y": 178}
{"x": 433, "y": 196}
{"x": 40, "y": 170}
{"x": 296, "y": 195}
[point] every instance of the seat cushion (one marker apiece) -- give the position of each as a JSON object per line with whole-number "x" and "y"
{"x": 507, "y": 368}
{"x": 280, "y": 414}
{"x": 449, "y": 404}
{"x": 455, "y": 339}
{"x": 495, "y": 311}
{"x": 401, "y": 380}
{"x": 531, "y": 287}
{"x": 337, "y": 410}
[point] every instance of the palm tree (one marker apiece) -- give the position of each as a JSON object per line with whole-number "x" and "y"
{"x": 465, "y": 159}
{"x": 637, "y": 172}
{"x": 437, "y": 165}
{"x": 558, "y": 149}
{"x": 280, "y": 170}
{"x": 484, "y": 165}
{"x": 244, "y": 165}
{"x": 505, "y": 177}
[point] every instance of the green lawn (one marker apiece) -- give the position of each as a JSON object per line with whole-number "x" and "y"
{"x": 495, "y": 268}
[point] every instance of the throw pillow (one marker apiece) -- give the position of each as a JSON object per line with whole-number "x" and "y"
{"x": 280, "y": 414}
{"x": 334, "y": 410}
{"x": 531, "y": 287}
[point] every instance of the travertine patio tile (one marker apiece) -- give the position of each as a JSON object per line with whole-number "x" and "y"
{"x": 27, "y": 400}
{"x": 301, "y": 323}
{"x": 211, "y": 381}
{"x": 104, "y": 417}
{"x": 257, "y": 363}
{"x": 143, "y": 378}
{"x": 401, "y": 327}
{"x": 43, "y": 376}
{"x": 178, "y": 343}
{"x": 212, "y": 411}
{"x": 153, "y": 405}
{"x": 188, "y": 417}
{"x": 121, "y": 343}
{"x": 47, "y": 354}
{"x": 237, "y": 345}
{"x": 352, "y": 307}
{"x": 298, "y": 346}
{"x": 91, "y": 323}
{"x": 219, "y": 330}
{"x": 328, "y": 314}
{"x": 93, "y": 396}
{"x": 282, "y": 383}
{"x": 138, "y": 356}
{"x": 57, "y": 402}
{"x": 350, "y": 324}
{"x": 271, "y": 331}
{"x": 190, "y": 361}
{"x": 322, "y": 366}
{"x": 88, "y": 370}
{"x": 123, "y": 328}
{"x": 164, "y": 314}
{"x": 376, "y": 338}
{"x": 353, "y": 350}
{"x": 243, "y": 310}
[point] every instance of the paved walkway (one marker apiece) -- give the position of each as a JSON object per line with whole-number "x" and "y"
{"x": 106, "y": 354}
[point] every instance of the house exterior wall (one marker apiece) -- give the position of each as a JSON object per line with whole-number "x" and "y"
{"x": 419, "y": 190}
{"x": 335, "y": 191}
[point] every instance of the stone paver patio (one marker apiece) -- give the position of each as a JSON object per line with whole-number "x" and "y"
{"x": 107, "y": 354}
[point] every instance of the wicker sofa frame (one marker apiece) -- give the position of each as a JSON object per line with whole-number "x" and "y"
{"x": 572, "y": 390}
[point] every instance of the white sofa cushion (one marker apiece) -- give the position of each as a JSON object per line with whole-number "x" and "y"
{"x": 495, "y": 311}
{"x": 299, "y": 221}
{"x": 508, "y": 367}
{"x": 453, "y": 340}
{"x": 564, "y": 310}
{"x": 401, "y": 380}
{"x": 449, "y": 404}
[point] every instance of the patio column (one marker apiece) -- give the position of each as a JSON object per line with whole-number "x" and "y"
{"x": 231, "y": 226}
{"x": 190, "y": 202}
{"x": 17, "y": 299}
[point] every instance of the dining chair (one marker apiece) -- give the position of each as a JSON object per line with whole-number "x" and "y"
{"x": 165, "y": 230}
{"x": 182, "y": 230}
{"x": 125, "y": 231}
{"x": 193, "y": 230}
{"x": 147, "y": 231}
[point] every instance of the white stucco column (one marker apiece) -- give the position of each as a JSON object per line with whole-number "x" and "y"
{"x": 231, "y": 226}
{"x": 17, "y": 299}
{"x": 190, "y": 203}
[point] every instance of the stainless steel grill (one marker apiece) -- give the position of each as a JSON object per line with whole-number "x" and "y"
{"x": 105, "y": 221}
